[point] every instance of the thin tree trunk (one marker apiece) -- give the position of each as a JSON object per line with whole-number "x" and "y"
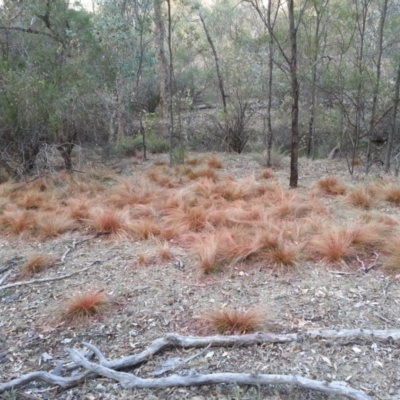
{"x": 163, "y": 66}
{"x": 393, "y": 130}
{"x": 270, "y": 135}
{"x": 216, "y": 59}
{"x": 294, "y": 150}
{"x": 376, "y": 87}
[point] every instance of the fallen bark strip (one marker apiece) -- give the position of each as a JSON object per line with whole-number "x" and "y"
{"x": 131, "y": 381}
{"x": 175, "y": 340}
{"x": 57, "y": 278}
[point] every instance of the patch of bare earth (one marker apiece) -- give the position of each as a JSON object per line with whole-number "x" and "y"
{"x": 152, "y": 296}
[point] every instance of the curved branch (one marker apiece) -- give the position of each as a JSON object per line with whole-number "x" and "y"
{"x": 131, "y": 381}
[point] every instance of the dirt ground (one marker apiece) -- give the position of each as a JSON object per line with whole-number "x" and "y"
{"x": 169, "y": 296}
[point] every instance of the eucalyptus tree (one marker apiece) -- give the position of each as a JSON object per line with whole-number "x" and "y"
{"x": 46, "y": 86}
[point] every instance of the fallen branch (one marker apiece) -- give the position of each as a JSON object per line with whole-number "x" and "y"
{"x": 131, "y": 381}
{"x": 57, "y": 278}
{"x": 109, "y": 368}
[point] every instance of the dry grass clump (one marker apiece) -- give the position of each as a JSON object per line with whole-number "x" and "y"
{"x": 50, "y": 224}
{"x": 187, "y": 219}
{"x": 380, "y": 218}
{"x": 85, "y": 305}
{"x": 79, "y": 208}
{"x": 333, "y": 244}
{"x": 143, "y": 259}
{"x": 17, "y": 221}
{"x": 32, "y": 199}
{"x": 145, "y": 228}
{"x": 161, "y": 179}
{"x": 331, "y": 186}
{"x": 368, "y": 235}
{"x": 284, "y": 254}
{"x": 267, "y": 174}
{"x": 361, "y": 197}
{"x": 208, "y": 173}
{"x": 110, "y": 221}
{"x": 193, "y": 161}
{"x": 227, "y": 246}
{"x": 165, "y": 252}
{"x": 391, "y": 193}
{"x": 214, "y": 162}
{"x": 235, "y": 321}
{"x": 391, "y": 258}
{"x": 36, "y": 263}
{"x": 291, "y": 205}
{"x": 129, "y": 193}
{"x": 207, "y": 256}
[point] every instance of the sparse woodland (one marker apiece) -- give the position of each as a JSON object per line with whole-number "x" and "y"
{"x": 199, "y": 200}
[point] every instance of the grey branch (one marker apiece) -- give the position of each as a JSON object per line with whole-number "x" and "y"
{"x": 110, "y": 368}
{"x": 131, "y": 381}
{"x": 57, "y": 278}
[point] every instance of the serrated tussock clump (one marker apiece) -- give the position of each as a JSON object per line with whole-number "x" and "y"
{"x": 360, "y": 197}
{"x": 50, "y": 224}
{"x": 110, "y": 221}
{"x": 235, "y": 321}
{"x": 331, "y": 185}
{"x": 84, "y": 305}
{"x": 36, "y": 263}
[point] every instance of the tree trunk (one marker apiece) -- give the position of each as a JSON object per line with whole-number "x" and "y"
{"x": 393, "y": 130}
{"x": 163, "y": 66}
{"x": 377, "y": 83}
{"x": 294, "y": 150}
{"x": 216, "y": 59}
{"x": 270, "y": 135}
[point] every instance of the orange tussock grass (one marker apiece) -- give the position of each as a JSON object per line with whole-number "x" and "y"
{"x": 193, "y": 161}
{"x": 114, "y": 222}
{"x": 379, "y": 218}
{"x": 187, "y": 219}
{"x": 79, "y": 208}
{"x": 129, "y": 193}
{"x": 284, "y": 254}
{"x": 391, "y": 193}
{"x": 333, "y": 244}
{"x": 36, "y": 263}
{"x": 267, "y": 174}
{"x": 208, "y": 173}
{"x": 207, "y": 256}
{"x": 368, "y": 235}
{"x": 360, "y": 197}
{"x": 226, "y": 246}
{"x": 331, "y": 186}
{"x": 145, "y": 228}
{"x": 17, "y": 221}
{"x": 291, "y": 205}
{"x": 85, "y": 305}
{"x": 160, "y": 179}
{"x": 165, "y": 252}
{"x": 143, "y": 259}
{"x": 50, "y": 224}
{"x": 391, "y": 258}
{"x": 214, "y": 162}
{"x": 34, "y": 199}
{"x": 235, "y": 321}
{"x": 160, "y": 163}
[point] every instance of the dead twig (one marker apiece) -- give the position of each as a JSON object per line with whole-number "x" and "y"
{"x": 57, "y": 278}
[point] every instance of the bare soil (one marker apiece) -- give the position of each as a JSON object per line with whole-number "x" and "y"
{"x": 170, "y": 296}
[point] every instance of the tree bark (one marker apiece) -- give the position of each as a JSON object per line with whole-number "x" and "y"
{"x": 377, "y": 83}
{"x": 163, "y": 65}
{"x": 294, "y": 150}
{"x": 394, "y": 118}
